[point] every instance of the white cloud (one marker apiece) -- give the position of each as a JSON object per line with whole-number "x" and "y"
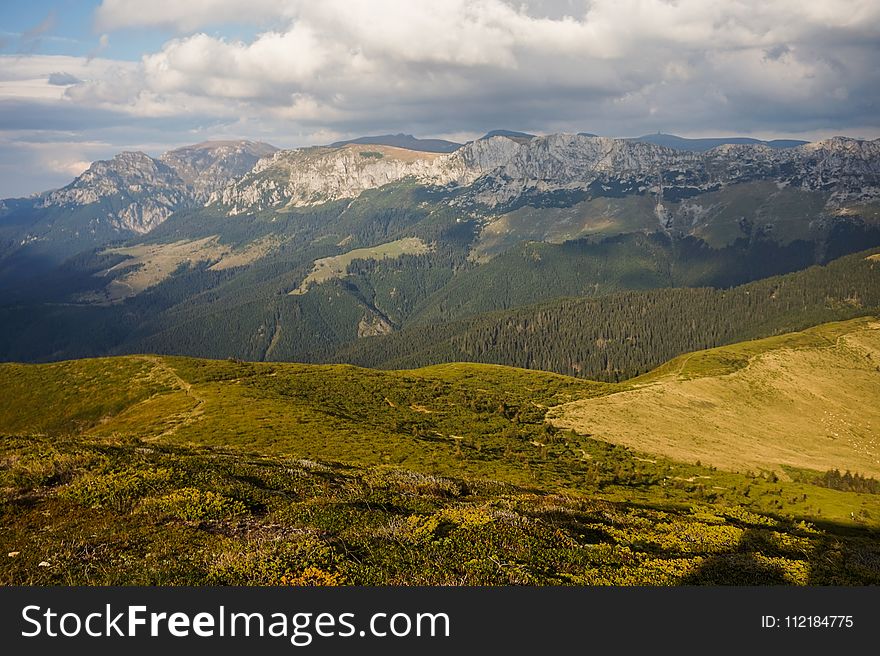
{"x": 68, "y": 166}
{"x": 343, "y": 64}
{"x": 185, "y": 16}
{"x": 31, "y": 162}
{"x": 319, "y": 71}
{"x": 30, "y": 76}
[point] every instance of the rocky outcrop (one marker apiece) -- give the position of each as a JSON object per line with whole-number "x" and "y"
{"x": 847, "y": 168}
{"x": 310, "y": 176}
{"x": 134, "y": 192}
{"x": 207, "y": 167}
{"x": 500, "y": 170}
{"x": 372, "y": 324}
{"x": 143, "y": 191}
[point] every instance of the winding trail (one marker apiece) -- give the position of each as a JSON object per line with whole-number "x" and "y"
{"x": 188, "y": 417}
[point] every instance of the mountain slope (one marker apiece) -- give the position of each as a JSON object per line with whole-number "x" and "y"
{"x": 128, "y": 195}
{"x": 535, "y": 272}
{"x": 312, "y": 176}
{"x": 807, "y": 400}
{"x": 207, "y": 167}
{"x": 78, "y": 511}
{"x": 625, "y": 334}
{"x": 478, "y": 421}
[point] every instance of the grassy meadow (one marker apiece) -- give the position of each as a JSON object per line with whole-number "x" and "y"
{"x": 808, "y": 400}
{"x": 170, "y": 470}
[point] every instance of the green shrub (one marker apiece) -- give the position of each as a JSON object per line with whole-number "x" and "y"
{"x": 276, "y": 560}
{"x": 117, "y": 489}
{"x": 192, "y": 504}
{"x": 31, "y": 470}
{"x": 415, "y": 483}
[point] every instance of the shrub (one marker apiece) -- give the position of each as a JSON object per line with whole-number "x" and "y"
{"x": 297, "y": 559}
{"x": 415, "y": 483}
{"x": 39, "y": 469}
{"x": 427, "y": 528}
{"x": 192, "y": 504}
{"x": 312, "y": 577}
{"x": 117, "y": 489}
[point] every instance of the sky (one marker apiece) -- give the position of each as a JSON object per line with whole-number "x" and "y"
{"x": 81, "y": 80}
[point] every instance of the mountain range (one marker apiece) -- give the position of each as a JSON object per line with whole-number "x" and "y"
{"x": 240, "y": 249}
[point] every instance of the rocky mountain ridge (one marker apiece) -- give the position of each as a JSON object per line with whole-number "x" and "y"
{"x": 847, "y": 168}
{"x": 209, "y": 166}
{"x": 311, "y": 176}
{"x": 134, "y": 192}
{"x": 501, "y": 171}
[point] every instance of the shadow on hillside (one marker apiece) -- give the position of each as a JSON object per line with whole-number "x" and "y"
{"x": 844, "y": 555}
{"x": 745, "y": 567}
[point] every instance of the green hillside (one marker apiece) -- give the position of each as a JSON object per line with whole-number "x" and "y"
{"x": 626, "y": 334}
{"x": 808, "y": 400}
{"x": 80, "y": 511}
{"x": 150, "y": 469}
{"x": 451, "y": 419}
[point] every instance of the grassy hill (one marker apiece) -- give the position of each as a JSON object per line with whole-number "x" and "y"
{"x": 804, "y": 400}
{"x": 449, "y": 419}
{"x": 150, "y": 469}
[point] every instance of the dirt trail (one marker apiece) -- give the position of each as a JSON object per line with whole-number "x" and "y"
{"x": 187, "y": 417}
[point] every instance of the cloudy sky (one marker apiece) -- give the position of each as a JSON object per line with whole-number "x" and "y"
{"x": 82, "y": 80}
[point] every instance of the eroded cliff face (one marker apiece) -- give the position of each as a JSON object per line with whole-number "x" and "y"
{"x": 134, "y": 192}
{"x": 847, "y": 168}
{"x": 208, "y": 167}
{"x": 143, "y": 191}
{"x": 500, "y": 170}
{"x": 310, "y": 176}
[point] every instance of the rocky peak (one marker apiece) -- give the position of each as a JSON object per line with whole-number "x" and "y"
{"x": 128, "y": 173}
{"x": 848, "y": 168}
{"x": 144, "y": 191}
{"x": 479, "y": 157}
{"x": 843, "y": 152}
{"x": 209, "y": 166}
{"x": 134, "y": 192}
{"x": 309, "y": 176}
{"x": 838, "y": 144}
